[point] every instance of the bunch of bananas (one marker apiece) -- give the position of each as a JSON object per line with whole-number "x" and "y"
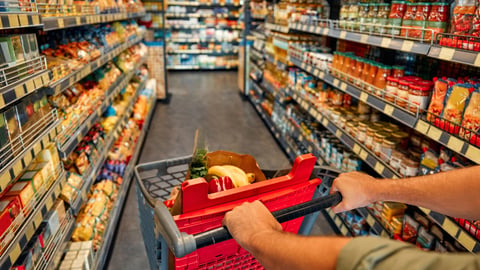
{"x": 238, "y": 176}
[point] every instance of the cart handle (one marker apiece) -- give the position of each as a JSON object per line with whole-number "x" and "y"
{"x": 183, "y": 244}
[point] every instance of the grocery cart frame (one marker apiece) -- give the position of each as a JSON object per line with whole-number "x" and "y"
{"x": 154, "y": 181}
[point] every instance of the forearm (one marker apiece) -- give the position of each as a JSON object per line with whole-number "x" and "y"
{"x": 281, "y": 250}
{"x": 454, "y": 193}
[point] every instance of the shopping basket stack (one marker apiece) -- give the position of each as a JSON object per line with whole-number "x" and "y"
{"x": 202, "y": 212}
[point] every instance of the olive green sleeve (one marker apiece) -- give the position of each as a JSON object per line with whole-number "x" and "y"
{"x": 377, "y": 253}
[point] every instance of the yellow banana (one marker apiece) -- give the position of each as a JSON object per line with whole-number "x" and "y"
{"x": 238, "y": 176}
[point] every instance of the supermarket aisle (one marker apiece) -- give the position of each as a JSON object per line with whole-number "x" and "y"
{"x": 209, "y": 100}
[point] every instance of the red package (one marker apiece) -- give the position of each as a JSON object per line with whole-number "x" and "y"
{"x": 462, "y": 19}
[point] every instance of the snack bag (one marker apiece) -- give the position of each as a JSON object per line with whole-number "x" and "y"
{"x": 437, "y": 101}
{"x": 462, "y": 17}
{"x": 455, "y": 104}
{"x": 471, "y": 118}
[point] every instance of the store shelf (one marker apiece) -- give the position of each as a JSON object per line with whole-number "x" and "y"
{"x": 256, "y": 87}
{"x": 374, "y": 223}
{"x": 294, "y": 132}
{"x": 12, "y": 20}
{"x": 31, "y": 224}
{"x": 455, "y": 55}
{"x": 62, "y": 84}
{"x": 254, "y": 52}
{"x": 197, "y": 67}
{"x": 195, "y": 15}
{"x": 359, "y": 149}
{"x": 198, "y": 4}
{"x": 18, "y": 90}
{"x": 406, "y": 117}
{"x": 206, "y": 52}
{"x": 48, "y": 129}
{"x": 55, "y": 23}
{"x": 101, "y": 255}
{"x": 338, "y": 221}
{"x": 389, "y": 42}
{"x": 277, "y": 28}
{"x": 110, "y": 94}
{"x": 203, "y": 40}
{"x": 454, "y": 230}
{"x": 204, "y": 26}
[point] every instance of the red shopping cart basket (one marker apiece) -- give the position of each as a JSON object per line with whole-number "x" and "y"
{"x": 196, "y": 238}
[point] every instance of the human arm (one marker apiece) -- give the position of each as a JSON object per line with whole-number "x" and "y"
{"x": 454, "y": 193}
{"x": 256, "y": 230}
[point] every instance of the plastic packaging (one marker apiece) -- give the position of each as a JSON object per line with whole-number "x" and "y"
{"x": 455, "y": 104}
{"x": 397, "y": 11}
{"x": 471, "y": 117}
{"x": 462, "y": 17}
{"x": 435, "y": 108}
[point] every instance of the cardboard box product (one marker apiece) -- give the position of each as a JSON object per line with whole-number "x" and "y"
{"x": 33, "y": 46}
{"x": 10, "y": 208}
{"x": 18, "y": 48}
{"x": 7, "y": 51}
{"x": 34, "y": 177}
{"x": 13, "y": 129}
{"x": 45, "y": 169}
{"x": 24, "y": 192}
{"x": 26, "y": 46}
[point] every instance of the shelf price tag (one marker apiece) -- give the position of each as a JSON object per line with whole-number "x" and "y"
{"x": 363, "y": 38}
{"x": 379, "y": 168}
{"x": 356, "y": 149}
{"x": 19, "y": 92}
{"x": 446, "y": 53}
{"x": 450, "y": 227}
{"x": 422, "y": 126}
{"x": 325, "y": 31}
{"x": 388, "y": 110}
{"x": 467, "y": 241}
{"x": 316, "y": 73}
{"x": 363, "y": 154}
{"x": 336, "y": 82}
{"x": 344, "y": 230}
{"x": 325, "y": 122}
{"x": 60, "y": 23}
{"x": 78, "y": 21}
{"x": 455, "y": 144}
{"x": 23, "y": 19}
{"x": 318, "y": 30}
{"x": 473, "y": 153}
{"x": 343, "y": 34}
{"x": 434, "y": 133}
{"x": 343, "y": 86}
{"x": 386, "y": 42}
{"x": 338, "y": 133}
{"x": 13, "y": 20}
{"x": 363, "y": 96}
{"x": 15, "y": 253}
{"x": 407, "y": 45}
{"x": 370, "y": 220}
{"x": 477, "y": 61}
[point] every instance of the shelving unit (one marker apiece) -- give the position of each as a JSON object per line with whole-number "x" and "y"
{"x": 417, "y": 121}
{"x": 192, "y": 26}
{"x": 35, "y": 76}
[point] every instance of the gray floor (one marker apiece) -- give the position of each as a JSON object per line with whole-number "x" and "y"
{"x": 210, "y": 101}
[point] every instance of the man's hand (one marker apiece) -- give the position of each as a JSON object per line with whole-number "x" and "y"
{"x": 247, "y": 221}
{"x": 357, "y": 189}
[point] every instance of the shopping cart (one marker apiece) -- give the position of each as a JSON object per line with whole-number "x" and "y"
{"x": 195, "y": 239}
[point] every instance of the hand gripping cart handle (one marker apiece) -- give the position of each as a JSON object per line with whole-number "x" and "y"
{"x": 181, "y": 243}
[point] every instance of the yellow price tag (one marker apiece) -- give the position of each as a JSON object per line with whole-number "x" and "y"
{"x": 477, "y": 61}
{"x": 326, "y": 31}
{"x": 407, "y": 45}
{"x": 343, "y": 86}
{"x": 29, "y": 232}
{"x": 356, "y": 149}
{"x": 386, "y": 42}
{"x": 473, "y": 153}
{"x": 325, "y": 122}
{"x": 38, "y": 219}
{"x": 379, "y": 168}
{"x": 450, "y": 227}
{"x": 19, "y": 92}
{"x": 363, "y": 38}
{"x": 13, "y": 20}
{"x": 370, "y": 220}
{"x": 60, "y": 23}
{"x": 338, "y": 133}
{"x": 363, "y": 96}
{"x": 388, "y": 110}
{"x": 455, "y": 144}
{"x": 422, "y": 126}
{"x": 23, "y": 19}
{"x": 49, "y": 202}
{"x": 4, "y": 180}
{"x": 30, "y": 86}
{"x": 78, "y": 21}
{"x": 36, "y": 19}
{"x": 434, "y": 133}
{"x": 38, "y": 82}
{"x": 336, "y": 82}
{"x": 15, "y": 253}
{"x": 343, "y": 34}
{"x": 466, "y": 240}
{"x": 363, "y": 154}
{"x": 446, "y": 53}
{"x": 17, "y": 168}
{"x": 425, "y": 210}
{"x": 344, "y": 230}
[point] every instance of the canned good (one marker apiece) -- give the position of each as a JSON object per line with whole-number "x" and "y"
{"x": 370, "y": 135}
{"x": 378, "y": 141}
{"x": 388, "y": 146}
{"x": 361, "y": 132}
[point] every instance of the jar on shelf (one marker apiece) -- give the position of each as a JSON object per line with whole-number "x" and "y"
{"x": 353, "y": 17}
{"x": 420, "y": 20}
{"x": 409, "y": 167}
{"x": 391, "y": 89}
{"x": 378, "y": 141}
{"x": 396, "y": 159}
{"x": 381, "y": 79}
{"x": 370, "y": 135}
{"x": 408, "y": 18}
{"x": 353, "y": 68}
{"x": 402, "y": 93}
{"x": 381, "y": 20}
{"x": 389, "y": 129}
{"x": 397, "y": 11}
{"x": 372, "y": 74}
{"x": 343, "y": 16}
{"x": 346, "y": 66}
{"x": 437, "y": 20}
{"x": 361, "y": 131}
{"x": 362, "y": 17}
{"x": 371, "y": 17}
{"x": 358, "y": 70}
{"x": 349, "y": 127}
{"x": 418, "y": 97}
{"x": 398, "y": 71}
{"x": 337, "y": 98}
{"x": 363, "y": 108}
{"x": 388, "y": 145}
{"x": 367, "y": 65}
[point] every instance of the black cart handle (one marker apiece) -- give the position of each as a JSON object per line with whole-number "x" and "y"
{"x": 221, "y": 234}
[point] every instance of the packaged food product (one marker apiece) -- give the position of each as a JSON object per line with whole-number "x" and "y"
{"x": 10, "y": 208}
{"x": 391, "y": 89}
{"x": 34, "y": 177}
{"x": 362, "y": 16}
{"x": 420, "y": 20}
{"x": 361, "y": 131}
{"x": 371, "y": 16}
{"x": 380, "y": 81}
{"x": 408, "y": 18}
{"x": 462, "y": 17}
{"x": 410, "y": 229}
{"x": 437, "y": 20}
{"x": 24, "y": 192}
{"x": 397, "y": 11}
{"x": 456, "y": 99}
{"x": 435, "y": 108}
{"x": 471, "y": 117}
{"x": 418, "y": 97}
{"x": 378, "y": 142}
{"x": 381, "y": 21}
